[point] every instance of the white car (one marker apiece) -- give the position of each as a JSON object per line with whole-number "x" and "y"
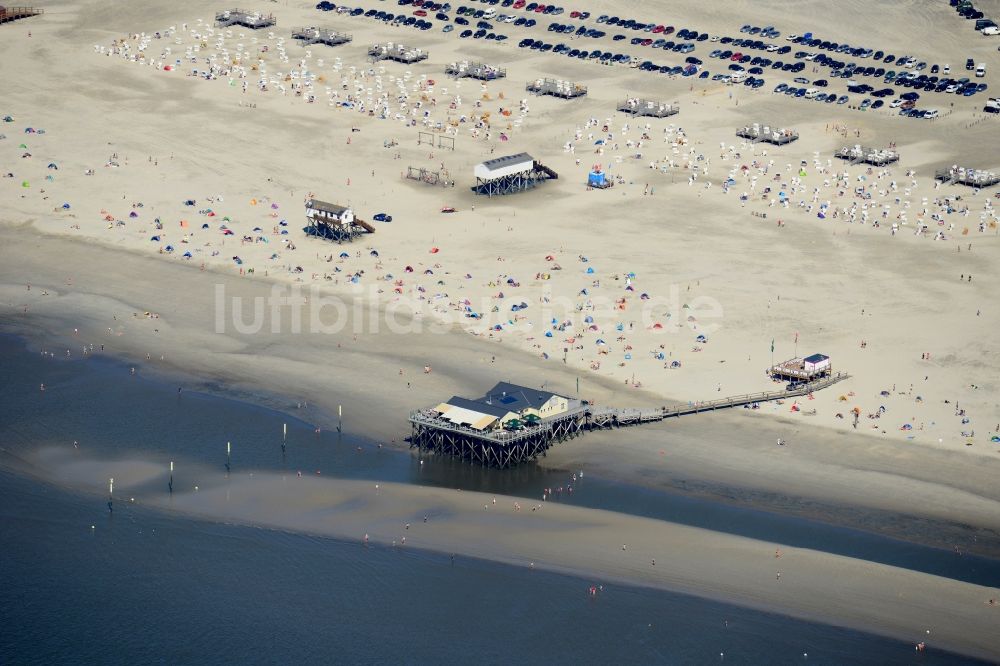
{"x": 791, "y": 38}
{"x": 931, "y": 113}
{"x": 812, "y": 92}
{"x": 990, "y": 30}
{"x": 772, "y": 48}
{"x": 946, "y": 70}
{"x": 895, "y": 104}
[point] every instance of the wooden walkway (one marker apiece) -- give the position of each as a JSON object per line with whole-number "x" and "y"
{"x": 609, "y": 417}
{"x": 13, "y": 13}
{"x": 504, "y": 448}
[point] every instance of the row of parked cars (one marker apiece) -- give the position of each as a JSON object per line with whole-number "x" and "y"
{"x": 579, "y": 31}
{"x": 582, "y": 54}
{"x": 768, "y": 31}
{"x": 761, "y": 62}
{"x": 536, "y": 7}
{"x": 810, "y": 93}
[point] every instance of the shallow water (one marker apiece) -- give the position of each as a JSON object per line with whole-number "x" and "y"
{"x": 98, "y": 403}
{"x": 146, "y": 586}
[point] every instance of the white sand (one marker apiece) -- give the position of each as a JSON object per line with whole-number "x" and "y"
{"x": 159, "y": 138}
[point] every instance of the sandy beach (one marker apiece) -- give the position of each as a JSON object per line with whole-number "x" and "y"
{"x": 146, "y": 204}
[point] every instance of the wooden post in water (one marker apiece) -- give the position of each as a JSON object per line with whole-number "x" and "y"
{"x": 228, "y": 456}
{"x": 340, "y": 418}
{"x": 170, "y": 483}
{"x": 111, "y": 495}
{"x": 284, "y": 436}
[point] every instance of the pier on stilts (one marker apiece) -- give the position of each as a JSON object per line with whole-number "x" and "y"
{"x": 8, "y": 14}
{"x": 495, "y": 437}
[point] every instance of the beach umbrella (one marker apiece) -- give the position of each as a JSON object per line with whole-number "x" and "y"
{"x": 619, "y": 326}
{"x": 274, "y": 206}
{"x": 226, "y": 219}
{"x": 428, "y": 272}
{"x": 675, "y": 364}
{"x": 590, "y": 270}
{"x": 155, "y": 239}
{"x": 65, "y": 206}
{"x": 205, "y": 226}
{"x": 169, "y": 248}
{"x": 374, "y": 253}
{"x": 600, "y": 342}
{"x": 548, "y": 334}
{"x": 187, "y": 255}
{"x": 701, "y": 338}
{"x": 434, "y": 250}
{"x": 657, "y": 325}
{"x": 588, "y": 320}
{"x": 25, "y": 184}
{"x": 344, "y": 255}
{"x": 644, "y": 296}
{"x": 29, "y": 130}
{"x": 189, "y": 202}
{"x": 408, "y": 269}
{"x": 257, "y": 229}
{"x": 52, "y": 165}
{"x": 23, "y": 146}
{"x": 133, "y": 214}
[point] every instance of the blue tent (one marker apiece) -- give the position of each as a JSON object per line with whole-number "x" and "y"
{"x": 155, "y": 239}
{"x": 597, "y": 179}
{"x": 204, "y": 226}
{"x": 187, "y": 255}
{"x": 548, "y": 334}
{"x": 590, "y": 270}
{"x": 65, "y": 206}
{"x": 169, "y": 248}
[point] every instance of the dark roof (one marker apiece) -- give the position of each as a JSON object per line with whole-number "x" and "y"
{"x": 498, "y": 410}
{"x": 816, "y": 358}
{"x": 507, "y": 160}
{"x": 316, "y": 204}
{"x": 516, "y": 398}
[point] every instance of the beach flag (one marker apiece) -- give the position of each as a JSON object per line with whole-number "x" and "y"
{"x": 772, "y": 345}
{"x": 796, "y": 337}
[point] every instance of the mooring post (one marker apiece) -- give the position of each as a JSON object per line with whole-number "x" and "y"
{"x": 111, "y": 495}
{"x": 170, "y": 482}
{"x": 284, "y": 437}
{"x": 228, "y": 456}
{"x": 340, "y": 418}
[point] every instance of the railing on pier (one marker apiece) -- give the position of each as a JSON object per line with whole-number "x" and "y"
{"x": 14, "y": 13}
{"x": 609, "y": 415}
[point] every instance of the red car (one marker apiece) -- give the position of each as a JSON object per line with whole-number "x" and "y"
{"x": 420, "y": 12}
{"x": 669, "y": 29}
{"x": 736, "y": 57}
{"x": 574, "y": 14}
{"x": 519, "y": 4}
{"x": 539, "y": 9}
{"x": 658, "y": 29}
{"x": 646, "y": 42}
